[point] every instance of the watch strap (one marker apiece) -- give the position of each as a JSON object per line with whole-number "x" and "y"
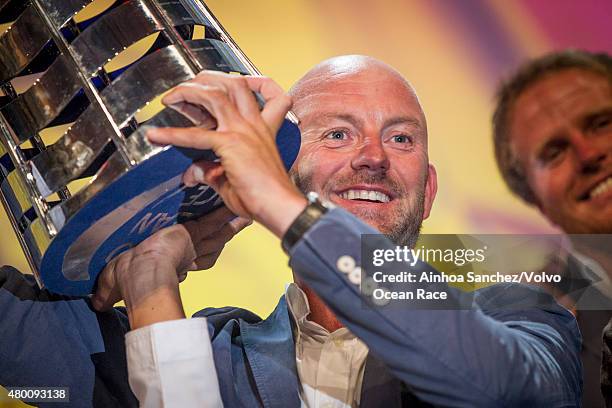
{"x": 307, "y": 218}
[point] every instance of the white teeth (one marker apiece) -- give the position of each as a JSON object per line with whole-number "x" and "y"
{"x": 365, "y": 195}
{"x": 602, "y": 187}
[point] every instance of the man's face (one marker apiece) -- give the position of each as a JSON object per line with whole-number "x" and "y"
{"x": 364, "y": 148}
{"x": 561, "y": 131}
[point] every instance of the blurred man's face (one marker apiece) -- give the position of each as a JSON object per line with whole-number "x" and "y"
{"x": 364, "y": 148}
{"x": 561, "y": 130}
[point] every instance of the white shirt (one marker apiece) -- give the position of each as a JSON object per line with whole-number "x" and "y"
{"x": 170, "y": 364}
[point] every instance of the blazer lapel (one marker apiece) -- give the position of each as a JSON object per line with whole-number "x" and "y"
{"x": 270, "y": 351}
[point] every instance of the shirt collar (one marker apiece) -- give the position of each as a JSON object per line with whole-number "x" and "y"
{"x": 299, "y": 310}
{"x": 297, "y": 302}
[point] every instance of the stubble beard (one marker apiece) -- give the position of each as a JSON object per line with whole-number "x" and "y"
{"x": 402, "y": 226}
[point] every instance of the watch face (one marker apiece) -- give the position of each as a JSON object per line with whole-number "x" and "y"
{"x": 312, "y": 197}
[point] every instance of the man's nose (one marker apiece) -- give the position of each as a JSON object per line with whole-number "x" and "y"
{"x": 371, "y": 156}
{"x": 590, "y": 153}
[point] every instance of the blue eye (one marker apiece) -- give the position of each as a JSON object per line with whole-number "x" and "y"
{"x": 336, "y": 135}
{"x": 401, "y": 139}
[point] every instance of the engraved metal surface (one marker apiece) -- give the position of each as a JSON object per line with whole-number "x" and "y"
{"x": 150, "y": 77}
{"x": 73, "y": 153}
{"x": 113, "y": 33}
{"x": 140, "y": 148}
{"x": 179, "y": 15}
{"x": 20, "y": 44}
{"x": 216, "y": 55}
{"x": 90, "y": 89}
{"x": 60, "y": 11}
{"x": 18, "y": 169}
{"x": 114, "y": 167}
{"x": 200, "y": 9}
{"x": 43, "y": 101}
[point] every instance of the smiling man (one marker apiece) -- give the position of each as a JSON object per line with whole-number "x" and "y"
{"x": 347, "y": 153}
{"x": 553, "y": 144}
{"x": 364, "y": 149}
{"x": 553, "y": 138}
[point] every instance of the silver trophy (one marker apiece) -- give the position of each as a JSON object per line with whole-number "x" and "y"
{"x": 130, "y": 188}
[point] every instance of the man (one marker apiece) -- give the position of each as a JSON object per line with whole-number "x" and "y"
{"x": 364, "y": 148}
{"x": 553, "y": 144}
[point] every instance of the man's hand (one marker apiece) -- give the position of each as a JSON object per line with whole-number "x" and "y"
{"x": 147, "y": 276}
{"x": 250, "y": 176}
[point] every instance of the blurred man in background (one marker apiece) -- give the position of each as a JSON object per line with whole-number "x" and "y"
{"x": 553, "y": 144}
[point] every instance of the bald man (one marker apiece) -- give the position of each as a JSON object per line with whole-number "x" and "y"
{"x": 364, "y": 149}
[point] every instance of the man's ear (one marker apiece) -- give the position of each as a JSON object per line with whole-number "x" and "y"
{"x": 431, "y": 188}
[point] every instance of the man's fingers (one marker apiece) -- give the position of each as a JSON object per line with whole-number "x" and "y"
{"x": 208, "y": 224}
{"x": 277, "y": 102}
{"x": 215, "y": 177}
{"x": 238, "y": 91}
{"x": 240, "y": 223}
{"x": 182, "y": 275}
{"x": 195, "y": 174}
{"x": 213, "y": 98}
{"x": 231, "y": 102}
{"x": 264, "y": 86}
{"x": 191, "y": 137}
{"x": 207, "y": 261}
{"x": 209, "y": 249}
{"x": 100, "y": 302}
{"x": 107, "y": 292}
{"x": 196, "y": 114}
{"x": 216, "y": 219}
{"x": 215, "y": 243}
{"x": 216, "y": 240}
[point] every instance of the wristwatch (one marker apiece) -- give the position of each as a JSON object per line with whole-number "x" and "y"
{"x": 313, "y": 211}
